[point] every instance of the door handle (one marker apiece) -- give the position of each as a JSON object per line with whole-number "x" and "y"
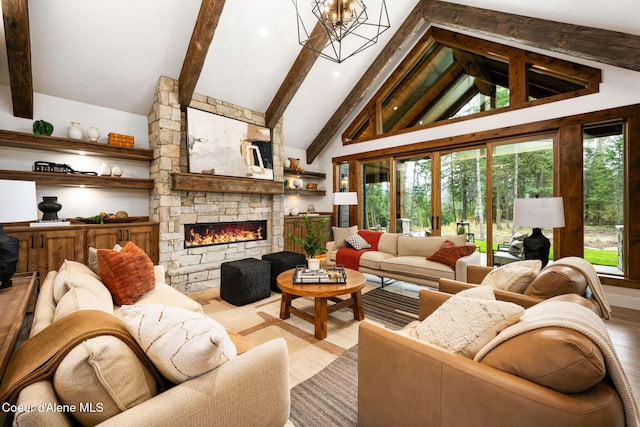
{"x": 33, "y": 241}
{"x": 42, "y": 241}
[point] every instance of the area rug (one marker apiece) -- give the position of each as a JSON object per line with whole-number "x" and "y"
{"x": 330, "y": 397}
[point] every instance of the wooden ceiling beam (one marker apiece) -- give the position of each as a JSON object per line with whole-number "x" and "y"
{"x": 16, "y": 32}
{"x": 604, "y": 46}
{"x": 201, "y": 38}
{"x": 296, "y": 75}
{"x": 413, "y": 24}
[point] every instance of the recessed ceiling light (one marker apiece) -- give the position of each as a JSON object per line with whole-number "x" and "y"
{"x": 336, "y": 74}
{"x": 263, "y": 31}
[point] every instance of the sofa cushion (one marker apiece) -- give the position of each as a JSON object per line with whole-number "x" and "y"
{"x": 448, "y": 253}
{"x": 373, "y": 259}
{"x": 164, "y": 294}
{"x": 557, "y": 280}
{"x": 105, "y": 373}
{"x": 425, "y": 246}
{"x": 468, "y": 321}
{"x": 341, "y": 233}
{"x": 417, "y": 266}
{"x": 513, "y": 277}
{"x": 83, "y": 299}
{"x": 558, "y": 358}
{"x": 182, "y": 344}
{"x": 73, "y": 274}
{"x": 128, "y": 273}
{"x": 388, "y": 243}
{"x": 357, "y": 242}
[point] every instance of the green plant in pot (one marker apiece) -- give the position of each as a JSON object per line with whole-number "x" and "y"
{"x": 312, "y": 243}
{"x": 40, "y": 127}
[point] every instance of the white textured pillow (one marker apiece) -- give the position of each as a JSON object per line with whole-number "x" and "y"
{"x": 182, "y": 344}
{"x": 513, "y": 277}
{"x": 357, "y": 242}
{"x": 341, "y": 233}
{"x": 467, "y": 321}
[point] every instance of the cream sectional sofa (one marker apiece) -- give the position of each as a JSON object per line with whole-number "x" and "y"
{"x": 405, "y": 258}
{"x": 251, "y": 389}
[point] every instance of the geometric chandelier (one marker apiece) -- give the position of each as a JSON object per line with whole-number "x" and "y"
{"x": 346, "y": 26}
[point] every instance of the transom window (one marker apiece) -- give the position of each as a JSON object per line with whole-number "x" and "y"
{"x": 449, "y": 76}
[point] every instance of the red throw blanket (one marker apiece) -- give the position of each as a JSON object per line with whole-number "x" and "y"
{"x": 349, "y": 257}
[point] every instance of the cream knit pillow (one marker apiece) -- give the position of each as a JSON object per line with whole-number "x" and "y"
{"x": 467, "y": 321}
{"x": 513, "y": 277}
{"x": 182, "y": 344}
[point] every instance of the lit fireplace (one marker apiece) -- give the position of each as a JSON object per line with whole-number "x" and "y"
{"x": 222, "y": 233}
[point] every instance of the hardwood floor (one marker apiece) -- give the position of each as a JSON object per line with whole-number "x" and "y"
{"x": 623, "y": 328}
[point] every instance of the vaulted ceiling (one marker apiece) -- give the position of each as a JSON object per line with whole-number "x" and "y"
{"x": 246, "y": 52}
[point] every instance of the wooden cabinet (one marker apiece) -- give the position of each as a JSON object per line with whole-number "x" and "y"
{"x": 145, "y": 236}
{"x": 45, "y": 249}
{"x": 295, "y": 225}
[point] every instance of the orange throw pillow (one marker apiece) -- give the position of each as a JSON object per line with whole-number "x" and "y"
{"x": 448, "y": 253}
{"x": 127, "y": 274}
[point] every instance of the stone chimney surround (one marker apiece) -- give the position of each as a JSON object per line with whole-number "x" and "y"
{"x": 194, "y": 269}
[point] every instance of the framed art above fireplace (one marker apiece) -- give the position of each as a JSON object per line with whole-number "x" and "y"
{"x": 219, "y": 145}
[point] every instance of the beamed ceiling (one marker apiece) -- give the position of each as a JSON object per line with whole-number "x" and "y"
{"x": 111, "y": 54}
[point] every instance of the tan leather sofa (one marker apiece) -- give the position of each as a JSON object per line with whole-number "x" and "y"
{"x": 403, "y": 381}
{"x": 251, "y": 389}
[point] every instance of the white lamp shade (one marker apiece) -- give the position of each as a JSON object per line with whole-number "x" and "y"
{"x": 18, "y": 201}
{"x": 543, "y": 212}
{"x": 345, "y": 198}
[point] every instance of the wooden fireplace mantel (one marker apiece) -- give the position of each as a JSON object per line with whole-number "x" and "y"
{"x": 224, "y": 184}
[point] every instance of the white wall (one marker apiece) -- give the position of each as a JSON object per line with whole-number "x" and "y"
{"x": 60, "y": 112}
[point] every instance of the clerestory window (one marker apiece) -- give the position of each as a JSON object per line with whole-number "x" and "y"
{"x": 449, "y": 76}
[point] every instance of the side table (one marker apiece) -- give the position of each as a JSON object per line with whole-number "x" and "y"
{"x": 16, "y": 302}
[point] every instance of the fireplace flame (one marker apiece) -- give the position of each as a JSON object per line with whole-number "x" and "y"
{"x": 209, "y": 236}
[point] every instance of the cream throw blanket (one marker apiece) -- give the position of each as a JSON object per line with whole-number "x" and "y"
{"x": 574, "y": 316}
{"x": 593, "y": 280}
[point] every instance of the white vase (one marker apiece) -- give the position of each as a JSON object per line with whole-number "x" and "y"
{"x": 294, "y": 211}
{"x": 313, "y": 264}
{"x": 116, "y": 170}
{"x": 105, "y": 169}
{"x": 93, "y": 133}
{"x": 74, "y": 131}
{"x": 297, "y": 183}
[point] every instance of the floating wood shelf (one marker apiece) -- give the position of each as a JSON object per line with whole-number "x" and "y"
{"x": 73, "y": 146}
{"x": 50, "y": 178}
{"x": 224, "y": 184}
{"x": 308, "y": 174}
{"x": 304, "y": 192}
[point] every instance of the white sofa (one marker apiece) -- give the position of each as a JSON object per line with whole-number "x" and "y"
{"x": 405, "y": 258}
{"x": 251, "y": 389}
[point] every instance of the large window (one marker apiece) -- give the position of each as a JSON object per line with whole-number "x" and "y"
{"x": 376, "y": 190}
{"x": 413, "y": 196}
{"x": 518, "y": 170}
{"x": 603, "y": 149}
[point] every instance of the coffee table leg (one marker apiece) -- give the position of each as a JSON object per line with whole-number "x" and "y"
{"x": 320, "y": 318}
{"x": 358, "y": 307}
{"x": 285, "y": 304}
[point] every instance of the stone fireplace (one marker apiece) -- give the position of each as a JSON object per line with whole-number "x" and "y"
{"x": 196, "y": 267}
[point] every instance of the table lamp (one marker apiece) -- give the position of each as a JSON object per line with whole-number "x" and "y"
{"x": 17, "y": 203}
{"x": 538, "y": 213}
{"x": 344, "y": 198}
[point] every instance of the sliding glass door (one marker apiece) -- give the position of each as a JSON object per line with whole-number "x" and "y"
{"x": 376, "y": 181}
{"x": 413, "y": 204}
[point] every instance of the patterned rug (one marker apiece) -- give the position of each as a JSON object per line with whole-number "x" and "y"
{"x": 330, "y": 397}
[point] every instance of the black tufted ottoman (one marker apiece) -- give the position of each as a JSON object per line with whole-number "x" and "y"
{"x": 283, "y": 261}
{"x": 245, "y": 281}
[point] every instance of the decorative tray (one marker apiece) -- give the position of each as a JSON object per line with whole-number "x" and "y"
{"x": 334, "y": 275}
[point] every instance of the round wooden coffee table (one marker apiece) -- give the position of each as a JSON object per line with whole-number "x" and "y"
{"x": 321, "y": 293}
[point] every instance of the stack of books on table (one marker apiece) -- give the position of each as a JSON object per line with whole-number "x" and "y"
{"x": 304, "y": 275}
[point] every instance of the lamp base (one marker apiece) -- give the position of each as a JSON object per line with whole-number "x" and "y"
{"x": 536, "y": 246}
{"x": 9, "y": 247}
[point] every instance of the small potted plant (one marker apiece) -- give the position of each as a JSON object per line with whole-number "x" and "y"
{"x": 40, "y": 127}
{"x": 312, "y": 243}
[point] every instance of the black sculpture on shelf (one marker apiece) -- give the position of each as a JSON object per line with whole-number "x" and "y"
{"x": 49, "y": 206}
